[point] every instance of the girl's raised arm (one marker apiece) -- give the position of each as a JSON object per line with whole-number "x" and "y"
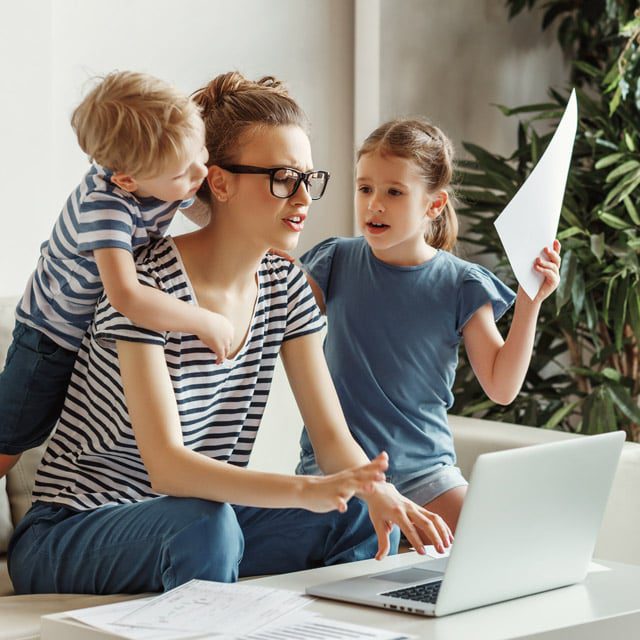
{"x": 501, "y": 365}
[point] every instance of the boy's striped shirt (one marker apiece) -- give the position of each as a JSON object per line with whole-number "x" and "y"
{"x": 92, "y": 459}
{"x": 61, "y": 294}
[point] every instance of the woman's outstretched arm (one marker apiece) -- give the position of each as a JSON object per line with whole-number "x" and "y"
{"x": 177, "y": 471}
{"x": 336, "y": 449}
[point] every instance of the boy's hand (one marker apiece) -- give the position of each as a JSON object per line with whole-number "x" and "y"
{"x": 282, "y": 254}
{"x": 217, "y": 333}
{"x": 325, "y": 493}
{"x": 550, "y": 269}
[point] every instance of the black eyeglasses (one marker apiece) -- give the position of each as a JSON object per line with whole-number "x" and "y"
{"x": 284, "y": 181}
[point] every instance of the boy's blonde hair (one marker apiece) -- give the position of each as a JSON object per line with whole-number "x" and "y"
{"x": 136, "y": 124}
{"x": 429, "y": 148}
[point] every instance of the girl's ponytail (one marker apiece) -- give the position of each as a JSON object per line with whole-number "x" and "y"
{"x": 443, "y": 231}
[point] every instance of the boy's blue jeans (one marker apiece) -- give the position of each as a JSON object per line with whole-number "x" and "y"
{"x": 33, "y": 385}
{"x": 163, "y": 542}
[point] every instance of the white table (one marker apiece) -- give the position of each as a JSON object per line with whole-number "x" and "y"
{"x": 605, "y": 606}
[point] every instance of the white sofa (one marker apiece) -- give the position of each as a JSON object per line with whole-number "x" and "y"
{"x": 276, "y": 449}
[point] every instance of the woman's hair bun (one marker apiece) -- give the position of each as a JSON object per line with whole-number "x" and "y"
{"x": 219, "y": 89}
{"x": 231, "y": 104}
{"x": 272, "y": 83}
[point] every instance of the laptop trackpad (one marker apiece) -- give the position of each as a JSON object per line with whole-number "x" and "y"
{"x": 404, "y": 576}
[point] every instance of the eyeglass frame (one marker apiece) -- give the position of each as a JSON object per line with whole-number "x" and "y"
{"x": 303, "y": 176}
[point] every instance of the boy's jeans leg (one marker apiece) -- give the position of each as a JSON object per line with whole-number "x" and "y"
{"x": 148, "y": 546}
{"x": 33, "y": 385}
{"x": 284, "y": 540}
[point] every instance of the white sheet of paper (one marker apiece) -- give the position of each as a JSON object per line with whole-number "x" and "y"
{"x": 201, "y": 606}
{"x": 311, "y": 626}
{"x": 104, "y": 616}
{"x": 530, "y": 221}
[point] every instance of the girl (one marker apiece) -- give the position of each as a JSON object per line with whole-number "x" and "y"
{"x": 398, "y": 304}
{"x": 142, "y": 486}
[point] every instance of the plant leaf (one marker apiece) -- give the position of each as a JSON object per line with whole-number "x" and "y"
{"x": 577, "y": 293}
{"x": 596, "y": 243}
{"x": 560, "y": 414}
{"x": 612, "y": 221}
{"x": 634, "y": 310}
{"x": 609, "y": 160}
{"x": 527, "y": 108}
{"x": 620, "y": 313}
{"x": 494, "y": 163}
{"x": 623, "y": 402}
{"x": 631, "y": 210}
{"x": 620, "y": 170}
{"x": 567, "y": 274}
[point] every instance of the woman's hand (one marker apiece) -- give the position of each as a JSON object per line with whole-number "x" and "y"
{"x": 550, "y": 269}
{"x": 325, "y": 493}
{"x": 388, "y": 507}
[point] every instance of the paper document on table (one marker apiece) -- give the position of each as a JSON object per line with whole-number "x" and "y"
{"x": 530, "y": 221}
{"x": 214, "y": 607}
{"x": 103, "y": 618}
{"x": 311, "y": 626}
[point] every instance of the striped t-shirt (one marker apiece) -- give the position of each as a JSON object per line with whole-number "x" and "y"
{"x": 61, "y": 294}
{"x": 92, "y": 458}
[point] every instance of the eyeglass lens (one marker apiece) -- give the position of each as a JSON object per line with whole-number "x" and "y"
{"x": 285, "y": 183}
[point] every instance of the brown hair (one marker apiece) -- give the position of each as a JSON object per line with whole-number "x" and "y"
{"x": 135, "y": 124}
{"x": 231, "y": 105}
{"x": 418, "y": 140}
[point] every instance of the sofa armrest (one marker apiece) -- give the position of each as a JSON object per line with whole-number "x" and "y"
{"x": 473, "y": 437}
{"x": 620, "y": 531}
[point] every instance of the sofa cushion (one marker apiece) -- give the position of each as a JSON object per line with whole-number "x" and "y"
{"x": 7, "y": 306}
{"x": 5, "y": 517}
{"x": 20, "y": 482}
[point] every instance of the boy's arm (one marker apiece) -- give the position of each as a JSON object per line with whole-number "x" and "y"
{"x": 153, "y": 309}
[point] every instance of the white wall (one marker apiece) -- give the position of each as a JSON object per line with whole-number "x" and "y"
{"x": 26, "y": 161}
{"x": 50, "y": 48}
{"x": 452, "y": 61}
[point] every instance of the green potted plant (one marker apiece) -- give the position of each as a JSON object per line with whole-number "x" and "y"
{"x": 585, "y": 371}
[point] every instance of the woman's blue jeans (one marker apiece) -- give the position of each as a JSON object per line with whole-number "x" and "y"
{"x": 161, "y": 543}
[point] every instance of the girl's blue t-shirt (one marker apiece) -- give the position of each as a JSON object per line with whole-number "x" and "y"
{"x": 392, "y": 345}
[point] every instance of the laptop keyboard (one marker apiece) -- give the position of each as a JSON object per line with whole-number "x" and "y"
{"x": 427, "y": 592}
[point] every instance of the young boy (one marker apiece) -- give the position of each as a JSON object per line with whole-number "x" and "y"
{"x": 146, "y": 143}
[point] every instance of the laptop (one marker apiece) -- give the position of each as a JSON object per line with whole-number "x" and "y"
{"x": 529, "y": 523}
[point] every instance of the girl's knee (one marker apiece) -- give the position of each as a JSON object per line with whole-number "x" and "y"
{"x": 449, "y": 505}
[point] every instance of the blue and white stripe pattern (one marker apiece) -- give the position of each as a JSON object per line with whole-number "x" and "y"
{"x": 92, "y": 459}
{"x": 62, "y": 293}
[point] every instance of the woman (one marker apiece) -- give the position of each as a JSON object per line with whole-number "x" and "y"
{"x": 142, "y": 486}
